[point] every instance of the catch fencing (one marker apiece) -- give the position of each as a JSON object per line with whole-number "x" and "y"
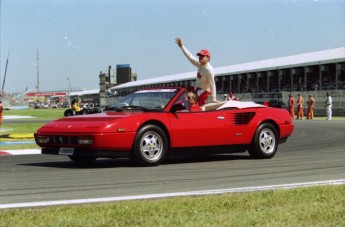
{"x": 338, "y": 99}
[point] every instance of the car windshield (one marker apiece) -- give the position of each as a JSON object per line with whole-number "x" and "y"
{"x": 145, "y": 100}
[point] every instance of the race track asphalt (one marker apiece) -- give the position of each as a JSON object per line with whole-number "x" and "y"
{"x": 315, "y": 152}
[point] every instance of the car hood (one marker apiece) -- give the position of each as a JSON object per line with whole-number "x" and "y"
{"x": 103, "y": 122}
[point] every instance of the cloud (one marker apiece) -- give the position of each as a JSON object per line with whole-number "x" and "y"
{"x": 70, "y": 44}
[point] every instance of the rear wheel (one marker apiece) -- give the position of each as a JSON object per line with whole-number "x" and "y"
{"x": 82, "y": 160}
{"x": 265, "y": 142}
{"x": 68, "y": 113}
{"x": 150, "y": 146}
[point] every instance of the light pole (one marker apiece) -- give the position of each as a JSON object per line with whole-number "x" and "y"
{"x": 69, "y": 82}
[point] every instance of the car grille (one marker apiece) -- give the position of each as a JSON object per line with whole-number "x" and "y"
{"x": 62, "y": 140}
{"x": 243, "y": 118}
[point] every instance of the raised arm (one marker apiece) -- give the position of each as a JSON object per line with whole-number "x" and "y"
{"x": 179, "y": 42}
{"x": 186, "y": 52}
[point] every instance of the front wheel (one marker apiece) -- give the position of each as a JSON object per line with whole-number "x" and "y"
{"x": 265, "y": 142}
{"x": 150, "y": 146}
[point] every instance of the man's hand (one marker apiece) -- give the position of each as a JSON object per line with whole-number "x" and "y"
{"x": 179, "y": 42}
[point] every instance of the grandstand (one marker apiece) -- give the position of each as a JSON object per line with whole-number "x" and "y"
{"x": 322, "y": 70}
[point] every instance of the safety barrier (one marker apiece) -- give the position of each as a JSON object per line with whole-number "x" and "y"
{"x": 338, "y": 100}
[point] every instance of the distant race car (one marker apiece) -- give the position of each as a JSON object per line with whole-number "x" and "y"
{"x": 150, "y": 124}
{"x": 8, "y": 108}
{"x": 92, "y": 110}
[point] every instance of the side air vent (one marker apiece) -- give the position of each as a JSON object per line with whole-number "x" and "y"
{"x": 243, "y": 118}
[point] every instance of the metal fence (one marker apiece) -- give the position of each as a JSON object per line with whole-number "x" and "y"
{"x": 338, "y": 99}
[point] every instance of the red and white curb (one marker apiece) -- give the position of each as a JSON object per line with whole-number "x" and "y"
{"x": 19, "y": 152}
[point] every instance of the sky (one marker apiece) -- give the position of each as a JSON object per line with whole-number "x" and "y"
{"x": 77, "y": 39}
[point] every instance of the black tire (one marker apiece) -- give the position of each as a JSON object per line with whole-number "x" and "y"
{"x": 265, "y": 142}
{"x": 68, "y": 113}
{"x": 83, "y": 160}
{"x": 84, "y": 112}
{"x": 150, "y": 146}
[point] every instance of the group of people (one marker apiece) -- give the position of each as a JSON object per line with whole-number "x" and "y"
{"x": 311, "y": 103}
{"x": 205, "y": 86}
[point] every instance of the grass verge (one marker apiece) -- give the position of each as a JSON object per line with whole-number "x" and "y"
{"x": 16, "y": 132}
{"x": 24, "y": 131}
{"x": 315, "y": 206}
{"x": 46, "y": 114}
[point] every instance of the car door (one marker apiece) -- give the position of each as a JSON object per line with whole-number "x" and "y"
{"x": 204, "y": 128}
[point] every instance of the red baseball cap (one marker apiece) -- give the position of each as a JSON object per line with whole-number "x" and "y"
{"x": 204, "y": 53}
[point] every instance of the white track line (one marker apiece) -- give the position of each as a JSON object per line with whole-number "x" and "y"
{"x": 16, "y": 117}
{"x": 164, "y": 195}
{"x": 20, "y": 152}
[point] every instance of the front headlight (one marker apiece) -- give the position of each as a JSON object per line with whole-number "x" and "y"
{"x": 41, "y": 139}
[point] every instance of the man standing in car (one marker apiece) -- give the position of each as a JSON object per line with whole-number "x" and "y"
{"x": 204, "y": 84}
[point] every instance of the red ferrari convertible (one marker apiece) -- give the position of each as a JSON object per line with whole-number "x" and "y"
{"x": 148, "y": 125}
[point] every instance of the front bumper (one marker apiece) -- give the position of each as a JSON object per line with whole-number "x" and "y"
{"x": 87, "y": 152}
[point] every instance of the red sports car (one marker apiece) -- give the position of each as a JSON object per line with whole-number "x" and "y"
{"x": 148, "y": 125}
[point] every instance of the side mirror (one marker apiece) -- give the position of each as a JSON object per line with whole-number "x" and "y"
{"x": 177, "y": 107}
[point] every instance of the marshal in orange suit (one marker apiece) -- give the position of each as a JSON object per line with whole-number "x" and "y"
{"x": 311, "y": 103}
{"x": 300, "y": 101}
{"x": 292, "y": 106}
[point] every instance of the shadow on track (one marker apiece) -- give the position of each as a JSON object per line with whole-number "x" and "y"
{"x": 126, "y": 162}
